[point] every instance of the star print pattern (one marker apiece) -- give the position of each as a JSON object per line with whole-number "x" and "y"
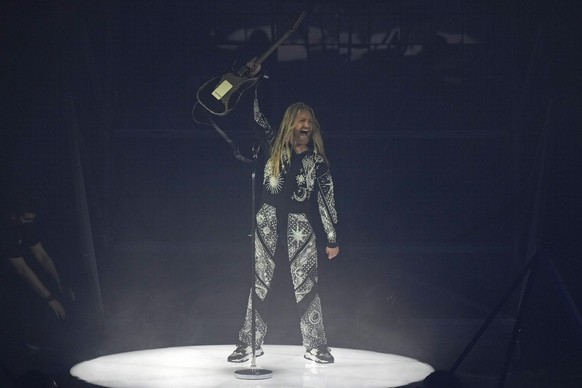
{"x": 304, "y": 270}
{"x": 265, "y": 243}
{"x": 326, "y": 189}
{"x": 245, "y": 334}
{"x": 262, "y": 121}
{"x": 303, "y": 255}
{"x": 306, "y": 178}
{"x": 271, "y": 182}
{"x": 298, "y": 230}
{"x": 267, "y": 228}
{"x": 326, "y": 205}
{"x": 300, "y": 180}
{"x": 264, "y": 270}
{"x": 312, "y": 176}
{"x": 311, "y": 325}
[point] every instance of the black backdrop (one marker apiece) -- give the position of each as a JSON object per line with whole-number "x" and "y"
{"x": 435, "y": 142}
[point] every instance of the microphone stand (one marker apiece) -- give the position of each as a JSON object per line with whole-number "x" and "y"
{"x": 252, "y": 373}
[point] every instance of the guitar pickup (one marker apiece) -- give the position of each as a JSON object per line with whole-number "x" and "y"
{"x": 223, "y": 88}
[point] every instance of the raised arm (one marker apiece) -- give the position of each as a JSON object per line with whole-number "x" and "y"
{"x": 263, "y": 130}
{"x": 266, "y": 134}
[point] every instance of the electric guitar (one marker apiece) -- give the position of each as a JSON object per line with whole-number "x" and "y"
{"x": 221, "y": 94}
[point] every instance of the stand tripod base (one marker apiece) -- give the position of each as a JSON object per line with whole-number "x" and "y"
{"x": 253, "y": 374}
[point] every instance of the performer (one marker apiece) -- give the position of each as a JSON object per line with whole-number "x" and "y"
{"x": 296, "y": 176}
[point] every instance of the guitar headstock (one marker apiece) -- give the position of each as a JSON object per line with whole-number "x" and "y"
{"x": 298, "y": 22}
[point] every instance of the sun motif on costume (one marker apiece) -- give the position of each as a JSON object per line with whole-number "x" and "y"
{"x": 274, "y": 183}
{"x": 298, "y": 235}
{"x": 300, "y": 179}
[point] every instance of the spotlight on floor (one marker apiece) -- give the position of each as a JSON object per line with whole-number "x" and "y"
{"x": 441, "y": 379}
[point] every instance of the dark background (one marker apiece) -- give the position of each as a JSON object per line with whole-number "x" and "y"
{"x": 452, "y": 128}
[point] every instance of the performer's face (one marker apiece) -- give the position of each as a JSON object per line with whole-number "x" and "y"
{"x": 302, "y": 130}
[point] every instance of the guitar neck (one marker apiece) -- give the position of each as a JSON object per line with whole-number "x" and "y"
{"x": 243, "y": 70}
{"x": 273, "y": 48}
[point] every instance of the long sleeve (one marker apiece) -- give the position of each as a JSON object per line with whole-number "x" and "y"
{"x": 264, "y": 132}
{"x": 326, "y": 205}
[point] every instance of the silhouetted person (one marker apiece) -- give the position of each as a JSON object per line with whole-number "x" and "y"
{"x": 37, "y": 290}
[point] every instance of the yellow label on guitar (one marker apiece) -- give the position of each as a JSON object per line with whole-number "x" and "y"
{"x": 222, "y": 89}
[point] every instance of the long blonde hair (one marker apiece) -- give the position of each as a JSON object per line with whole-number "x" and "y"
{"x": 281, "y": 149}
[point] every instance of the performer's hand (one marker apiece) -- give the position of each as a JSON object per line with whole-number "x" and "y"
{"x": 331, "y": 252}
{"x": 58, "y": 309}
{"x": 66, "y": 290}
{"x": 253, "y": 67}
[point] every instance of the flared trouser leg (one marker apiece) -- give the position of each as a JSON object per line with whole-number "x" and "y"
{"x": 301, "y": 251}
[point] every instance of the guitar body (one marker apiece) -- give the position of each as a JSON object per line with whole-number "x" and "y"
{"x": 221, "y": 94}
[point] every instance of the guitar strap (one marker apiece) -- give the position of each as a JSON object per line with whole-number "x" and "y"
{"x": 232, "y": 144}
{"x": 222, "y": 133}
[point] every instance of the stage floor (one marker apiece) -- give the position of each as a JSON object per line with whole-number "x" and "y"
{"x": 206, "y": 366}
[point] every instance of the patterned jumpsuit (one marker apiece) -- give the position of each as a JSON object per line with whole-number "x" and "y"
{"x": 283, "y": 225}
